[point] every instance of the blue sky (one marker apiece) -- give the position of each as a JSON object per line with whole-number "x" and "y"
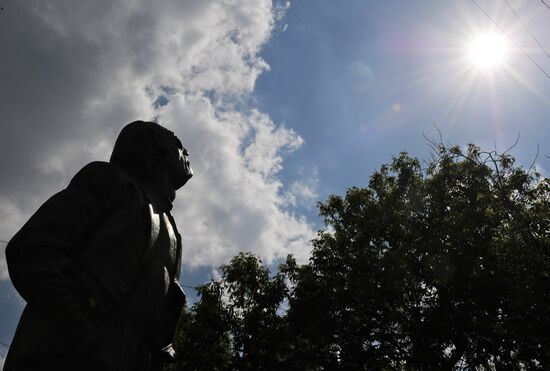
{"x": 279, "y": 104}
{"x": 361, "y": 80}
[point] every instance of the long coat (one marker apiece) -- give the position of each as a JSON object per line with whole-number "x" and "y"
{"x": 98, "y": 266}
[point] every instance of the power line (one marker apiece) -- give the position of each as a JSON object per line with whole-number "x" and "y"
{"x": 5, "y": 345}
{"x": 526, "y": 28}
{"x": 545, "y": 4}
{"x": 512, "y": 40}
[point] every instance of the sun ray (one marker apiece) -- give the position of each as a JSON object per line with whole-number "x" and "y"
{"x": 465, "y": 89}
{"x": 529, "y": 86}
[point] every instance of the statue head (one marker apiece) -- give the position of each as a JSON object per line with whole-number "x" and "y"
{"x": 152, "y": 153}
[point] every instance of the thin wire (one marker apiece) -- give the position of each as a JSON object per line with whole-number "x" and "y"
{"x": 4, "y": 241}
{"x": 545, "y": 4}
{"x": 526, "y": 28}
{"x": 512, "y": 40}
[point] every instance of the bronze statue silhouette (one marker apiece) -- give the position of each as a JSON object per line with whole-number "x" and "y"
{"x": 98, "y": 264}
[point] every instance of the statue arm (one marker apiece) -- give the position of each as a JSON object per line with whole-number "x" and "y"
{"x": 39, "y": 256}
{"x": 42, "y": 255}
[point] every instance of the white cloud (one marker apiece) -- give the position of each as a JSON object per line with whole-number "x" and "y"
{"x": 79, "y": 71}
{"x": 537, "y": 167}
{"x": 303, "y": 192}
{"x": 234, "y": 202}
{"x": 3, "y": 265}
{"x": 12, "y": 218}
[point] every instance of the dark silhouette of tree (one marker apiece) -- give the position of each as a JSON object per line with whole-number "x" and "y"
{"x": 424, "y": 269}
{"x": 203, "y": 339}
{"x": 236, "y": 324}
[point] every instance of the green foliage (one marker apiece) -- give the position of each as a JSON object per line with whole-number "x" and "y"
{"x": 236, "y": 324}
{"x": 423, "y": 269}
{"x": 203, "y": 341}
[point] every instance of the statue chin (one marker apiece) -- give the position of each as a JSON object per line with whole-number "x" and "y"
{"x": 183, "y": 177}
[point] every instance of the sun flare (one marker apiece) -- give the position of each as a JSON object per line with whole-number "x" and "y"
{"x": 488, "y": 50}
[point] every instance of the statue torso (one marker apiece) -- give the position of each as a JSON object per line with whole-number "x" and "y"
{"x": 125, "y": 264}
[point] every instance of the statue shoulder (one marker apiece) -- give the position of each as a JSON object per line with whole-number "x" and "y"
{"x": 103, "y": 181}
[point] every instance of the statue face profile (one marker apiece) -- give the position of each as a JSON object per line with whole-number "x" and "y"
{"x": 176, "y": 162}
{"x": 149, "y": 151}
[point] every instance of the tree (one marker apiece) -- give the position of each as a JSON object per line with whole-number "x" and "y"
{"x": 425, "y": 268}
{"x": 236, "y": 324}
{"x": 428, "y": 267}
{"x": 203, "y": 339}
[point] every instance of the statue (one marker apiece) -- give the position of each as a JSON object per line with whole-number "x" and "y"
{"x": 98, "y": 264}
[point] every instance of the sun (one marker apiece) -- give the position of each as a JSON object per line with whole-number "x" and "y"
{"x": 488, "y": 50}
